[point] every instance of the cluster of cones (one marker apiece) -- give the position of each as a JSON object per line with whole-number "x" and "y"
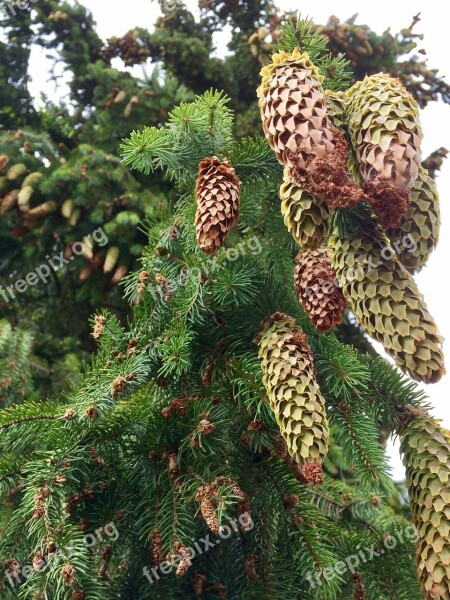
{"x": 340, "y": 149}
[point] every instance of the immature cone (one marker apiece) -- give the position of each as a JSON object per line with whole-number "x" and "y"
{"x": 218, "y": 198}
{"x": 16, "y": 171}
{"x": 296, "y": 124}
{"x": 112, "y": 256}
{"x": 318, "y": 290}
{"x": 32, "y": 179}
{"x": 67, "y": 208}
{"x": 426, "y": 455}
{"x": 4, "y": 160}
{"x": 306, "y": 216}
{"x": 24, "y": 198}
{"x": 417, "y": 234}
{"x": 42, "y": 210}
{"x": 387, "y": 302}
{"x": 8, "y": 202}
{"x": 383, "y": 122}
{"x": 294, "y": 394}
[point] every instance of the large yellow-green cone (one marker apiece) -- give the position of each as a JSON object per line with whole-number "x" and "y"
{"x": 306, "y": 216}
{"x": 426, "y": 455}
{"x": 387, "y": 301}
{"x": 294, "y": 394}
{"x": 417, "y": 234}
{"x": 384, "y": 127}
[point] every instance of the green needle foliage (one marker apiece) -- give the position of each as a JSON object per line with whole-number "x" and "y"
{"x": 101, "y": 485}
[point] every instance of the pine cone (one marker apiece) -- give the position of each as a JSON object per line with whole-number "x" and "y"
{"x": 119, "y": 274}
{"x": 250, "y": 566}
{"x": 359, "y": 590}
{"x": 68, "y": 573}
{"x": 32, "y": 179}
{"x": 387, "y": 302}
{"x": 209, "y": 513}
{"x": 157, "y": 547}
{"x": 306, "y": 216}
{"x": 4, "y": 160}
{"x": 8, "y": 202}
{"x": 112, "y": 256}
{"x": 218, "y": 198}
{"x": 16, "y": 171}
{"x": 294, "y": 395}
{"x": 67, "y": 208}
{"x": 24, "y": 198}
{"x": 426, "y": 455}
{"x": 296, "y": 124}
{"x": 383, "y": 121}
{"x": 417, "y": 234}
{"x": 199, "y": 584}
{"x": 42, "y": 210}
{"x": 318, "y": 290}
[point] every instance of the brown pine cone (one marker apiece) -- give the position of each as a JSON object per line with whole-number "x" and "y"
{"x": 218, "y": 197}
{"x": 318, "y": 290}
{"x": 209, "y": 513}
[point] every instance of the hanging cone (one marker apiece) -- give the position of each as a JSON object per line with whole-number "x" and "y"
{"x": 24, "y": 198}
{"x": 426, "y": 455}
{"x": 384, "y": 127}
{"x": 318, "y": 290}
{"x": 32, "y": 179}
{"x": 40, "y": 211}
{"x": 294, "y": 394}
{"x": 120, "y": 97}
{"x": 306, "y": 216}
{"x": 4, "y": 160}
{"x": 67, "y": 208}
{"x": 296, "y": 124}
{"x": 16, "y": 171}
{"x": 387, "y": 302}
{"x": 74, "y": 217}
{"x": 8, "y": 202}
{"x": 218, "y": 197}
{"x": 112, "y": 256}
{"x": 119, "y": 274}
{"x": 417, "y": 234}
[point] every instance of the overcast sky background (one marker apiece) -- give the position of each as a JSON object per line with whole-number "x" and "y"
{"x": 118, "y": 17}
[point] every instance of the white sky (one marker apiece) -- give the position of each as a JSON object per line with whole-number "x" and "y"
{"x": 118, "y": 18}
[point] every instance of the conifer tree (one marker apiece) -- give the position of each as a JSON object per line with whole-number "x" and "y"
{"x": 220, "y": 422}
{"x": 83, "y": 187}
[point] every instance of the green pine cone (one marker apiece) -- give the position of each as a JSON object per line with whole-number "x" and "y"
{"x": 417, "y": 234}
{"x": 387, "y": 301}
{"x": 294, "y": 394}
{"x": 16, "y": 171}
{"x": 306, "y": 216}
{"x": 385, "y": 132}
{"x": 426, "y": 455}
